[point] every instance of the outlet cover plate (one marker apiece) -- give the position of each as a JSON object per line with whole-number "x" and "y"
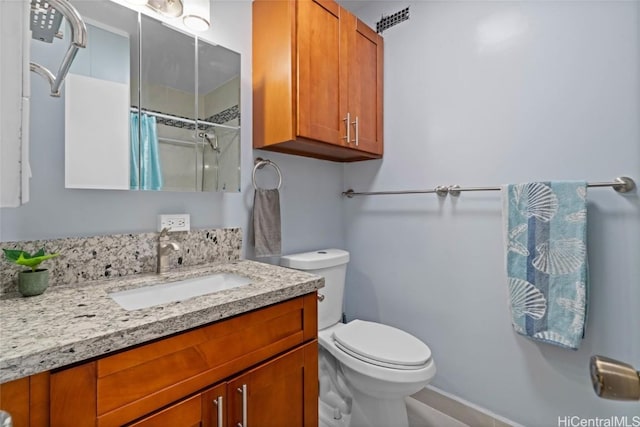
{"x": 174, "y": 222}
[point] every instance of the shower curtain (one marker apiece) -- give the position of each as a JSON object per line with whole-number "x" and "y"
{"x": 146, "y": 171}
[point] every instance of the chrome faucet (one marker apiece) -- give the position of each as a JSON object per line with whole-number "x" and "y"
{"x": 163, "y": 250}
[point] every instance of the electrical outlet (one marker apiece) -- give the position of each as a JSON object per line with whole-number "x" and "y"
{"x": 174, "y": 222}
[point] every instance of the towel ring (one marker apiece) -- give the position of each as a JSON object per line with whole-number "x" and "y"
{"x": 260, "y": 163}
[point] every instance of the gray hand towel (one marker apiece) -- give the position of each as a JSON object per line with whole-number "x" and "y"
{"x": 266, "y": 222}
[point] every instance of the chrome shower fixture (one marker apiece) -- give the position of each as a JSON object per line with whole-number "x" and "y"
{"x": 214, "y": 145}
{"x": 613, "y": 379}
{"x": 46, "y": 17}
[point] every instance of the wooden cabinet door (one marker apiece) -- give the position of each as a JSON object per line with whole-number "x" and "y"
{"x": 365, "y": 63}
{"x": 321, "y": 98}
{"x": 282, "y": 392}
{"x": 14, "y": 398}
{"x": 214, "y": 409}
{"x": 186, "y": 413}
{"x": 316, "y": 68}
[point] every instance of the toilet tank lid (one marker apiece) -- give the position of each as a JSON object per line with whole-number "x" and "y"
{"x": 315, "y": 260}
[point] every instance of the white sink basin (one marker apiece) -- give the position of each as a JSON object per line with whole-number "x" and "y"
{"x": 148, "y": 296}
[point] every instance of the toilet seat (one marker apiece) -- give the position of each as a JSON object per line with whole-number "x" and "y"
{"x": 370, "y": 375}
{"x": 382, "y": 345}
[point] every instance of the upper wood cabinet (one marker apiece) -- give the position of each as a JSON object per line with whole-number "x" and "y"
{"x": 365, "y": 84}
{"x": 317, "y": 81}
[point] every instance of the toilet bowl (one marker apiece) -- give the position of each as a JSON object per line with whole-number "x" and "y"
{"x": 378, "y": 383}
{"x": 380, "y": 364}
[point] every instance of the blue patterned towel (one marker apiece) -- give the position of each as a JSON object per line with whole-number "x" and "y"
{"x": 546, "y": 251}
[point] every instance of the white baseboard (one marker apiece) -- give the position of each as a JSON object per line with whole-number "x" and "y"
{"x": 423, "y": 415}
{"x": 459, "y": 410}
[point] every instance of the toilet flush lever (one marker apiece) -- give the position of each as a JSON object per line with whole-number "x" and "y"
{"x": 320, "y": 297}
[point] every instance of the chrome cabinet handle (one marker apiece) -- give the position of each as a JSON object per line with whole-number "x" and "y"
{"x": 243, "y": 390}
{"x": 320, "y": 297}
{"x": 356, "y": 125}
{"x": 346, "y": 121}
{"x": 218, "y": 403}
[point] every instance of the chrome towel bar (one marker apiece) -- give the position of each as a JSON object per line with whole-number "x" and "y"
{"x": 622, "y": 184}
{"x": 440, "y": 191}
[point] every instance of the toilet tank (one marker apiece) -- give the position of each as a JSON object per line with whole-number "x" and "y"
{"x": 332, "y": 265}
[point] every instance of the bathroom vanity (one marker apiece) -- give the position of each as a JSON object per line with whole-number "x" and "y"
{"x": 243, "y": 356}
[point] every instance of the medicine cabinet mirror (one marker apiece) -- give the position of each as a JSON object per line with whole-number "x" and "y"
{"x": 163, "y": 117}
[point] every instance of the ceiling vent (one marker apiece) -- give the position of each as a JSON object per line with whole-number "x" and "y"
{"x": 389, "y": 21}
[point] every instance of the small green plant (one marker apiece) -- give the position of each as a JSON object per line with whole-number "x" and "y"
{"x": 24, "y": 258}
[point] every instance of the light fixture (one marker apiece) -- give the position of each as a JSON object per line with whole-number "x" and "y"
{"x": 170, "y": 8}
{"x": 197, "y": 15}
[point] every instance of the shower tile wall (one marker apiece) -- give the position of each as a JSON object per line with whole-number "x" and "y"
{"x": 167, "y": 100}
{"x": 182, "y": 162}
{"x": 223, "y": 98}
{"x": 177, "y": 160}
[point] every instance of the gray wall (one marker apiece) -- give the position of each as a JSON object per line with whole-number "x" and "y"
{"x": 310, "y": 196}
{"x": 483, "y": 93}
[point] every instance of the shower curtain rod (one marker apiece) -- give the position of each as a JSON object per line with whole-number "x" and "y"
{"x": 622, "y": 184}
{"x": 183, "y": 119}
{"x": 177, "y": 141}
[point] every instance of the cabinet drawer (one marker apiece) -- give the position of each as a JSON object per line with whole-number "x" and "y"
{"x": 137, "y": 381}
{"x": 185, "y": 413}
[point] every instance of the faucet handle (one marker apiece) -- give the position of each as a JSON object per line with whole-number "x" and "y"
{"x": 164, "y": 232}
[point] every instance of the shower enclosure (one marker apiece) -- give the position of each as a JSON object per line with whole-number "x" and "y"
{"x": 198, "y": 151}
{"x": 200, "y": 161}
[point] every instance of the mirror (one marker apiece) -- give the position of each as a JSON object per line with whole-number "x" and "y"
{"x": 167, "y": 119}
{"x": 219, "y": 103}
{"x": 97, "y": 95}
{"x": 191, "y": 89}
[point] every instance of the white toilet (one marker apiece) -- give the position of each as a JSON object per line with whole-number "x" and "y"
{"x": 366, "y": 368}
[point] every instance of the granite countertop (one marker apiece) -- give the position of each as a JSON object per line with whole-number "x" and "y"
{"x": 69, "y": 324}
